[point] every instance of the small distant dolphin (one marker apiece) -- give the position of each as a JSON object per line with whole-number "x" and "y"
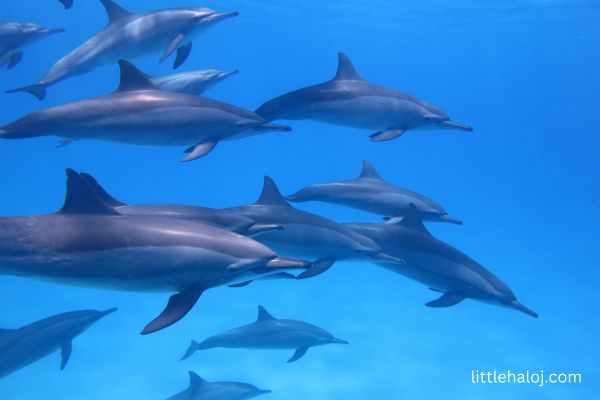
{"x": 437, "y": 265}
{"x": 234, "y": 222}
{"x": 200, "y": 389}
{"x": 269, "y": 333}
{"x": 140, "y": 113}
{"x": 369, "y": 192}
{"x": 131, "y": 35}
{"x": 14, "y": 36}
{"x": 88, "y": 243}
{"x": 66, "y": 3}
{"x": 192, "y": 82}
{"x": 26, "y": 345}
{"x": 307, "y": 235}
{"x": 351, "y": 101}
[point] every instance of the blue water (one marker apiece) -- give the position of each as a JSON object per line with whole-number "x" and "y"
{"x": 523, "y": 73}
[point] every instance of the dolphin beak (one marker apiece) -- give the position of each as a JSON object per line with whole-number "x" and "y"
{"x": 226, "y": 74}
{"x": 261, "y": 392}
{"x": 450, "y": 219}
{"x": 456, "y": 125}
{"x": 105, "y": 313}
{"x": 520, "y": 307}
{"x": 339, "y": 341}
{"x": 52, "y": 30}
{"x": 219, "y": 16}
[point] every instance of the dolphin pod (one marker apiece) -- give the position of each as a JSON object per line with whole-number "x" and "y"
{"x": 351, "y": 101}
{"x": 369, "y": 192}
{"x": 269, "y": 333}
{"x": 200, "y": 389}
{"x": 140, "y": 113}
{"x": 15, "y": 36}
{"x": 23, "y": 346}
{"x": 130, "y": 35}
{"x": 79, "y": 244}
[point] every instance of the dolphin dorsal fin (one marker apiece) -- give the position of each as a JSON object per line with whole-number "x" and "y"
{"x": 263, "y": 315}
{"x": 411, "y": 220}
{"x": 100, "y": 192}
{"x": 271, "y": 195}
{"x": 133, "y": 79}
{"x": 195, "y": 380}
{"x": 114, "y": 11}
{"x": 81, "y": 199}
{"x": 368, "y": 171}
{"x": 346, "y": 71}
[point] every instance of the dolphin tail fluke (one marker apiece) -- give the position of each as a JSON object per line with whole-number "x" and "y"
{"x": 177, "y": 308}
{"x": 273, "y": 127}
{"x": 317, "y": 268}
{"x": 67, "y": 3}
{"x": 38, "y": 90}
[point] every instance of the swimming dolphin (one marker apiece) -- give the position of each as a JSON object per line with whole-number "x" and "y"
{"x": 23, "y": 346}
{"x": 66, "y": 3}
{"x": 14, "y": 36}
{"x": 307, "y": 235}
{"x": 234, "y": 222}
{"x": 369, "y": 192}
{"x": 88, "y": 243}
{"x": 131, "y": 35}
{"x": 351, "y": 101}
{"x": 139, "y": 113}
{"x": 200, "y": 389}
{"x": 437, "y": 265}
{"x": 269, "y": 333}
{"x": 192, "y": 82}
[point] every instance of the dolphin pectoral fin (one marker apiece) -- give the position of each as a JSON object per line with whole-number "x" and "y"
{"x": 389, "y": 134}
{"x": 183, "y": 53}
{"x": 67, "y": 3}
{"x": 38, "y": 90}
{"x": 238, "y": 285}
{"x": 65, "y": 142}
{"x": 15, "y": 58}
{"x": 298, "y": 354}
{"x": 199, "y": 150}
{"x": 447, "y": 300}
{"x": 259, "y": 229}
{"x": 175, "y": 43}
{"x": 190, "y": 350}
{"x": 317, "y": 268}
{"x": 65, "y": 353}
{"x": 179, "y": 305}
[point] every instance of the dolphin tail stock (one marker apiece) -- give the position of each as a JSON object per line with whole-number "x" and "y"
{"x": 273, "y": 127}
{"x": 178, "y": 306}
{"x": 317, "y": 268}
{"x": 38, "y": 90}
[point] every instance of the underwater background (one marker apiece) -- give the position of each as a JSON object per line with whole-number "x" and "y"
{"x": 525, "y": 182}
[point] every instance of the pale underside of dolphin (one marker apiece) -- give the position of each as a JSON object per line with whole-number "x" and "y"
{"x": 140, "y": 113}
{"x": 200, "y": 389}
{"x": 349, "y": 100}
{"x": 15, "y": 36}
{"x": 89, "y": 243}
{"x": 231, "y": 221}
{"x": 130, "y": 35}
{"x": 269, "y": 333}
{"x": 369, "y": 192}
{"x": 437, "y": 265}
{"x": 30, "y": 343}
{"x": 191, "y": 82}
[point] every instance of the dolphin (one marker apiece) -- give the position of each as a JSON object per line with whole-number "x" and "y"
{"x": 14, "y": 36}
{"x": 269, "y": 333}
{"x": 369, "y": 192}
{"x": 192, "y": 82}
{"x": 349, "y": 100}
{"x": 66, "y": 3}
{"x": 140, "y": 113}
{"x": 130, "y": 35}
{"x": 437, "y": 265}
{"x": 23, "y": 346}
{"x": 306, "y": 235}
{"x": 89, "y": 243}
{"x": 234, "y": 222}
{"x": 199, "y": 389}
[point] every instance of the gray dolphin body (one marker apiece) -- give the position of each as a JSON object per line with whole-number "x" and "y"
{"x": 200, "y": 389}
{"x": 88, "y": 243}
{"x": 26, "y": 345}
{"x": 369, "y": 192}
{"x": 191, "y": 82}
{"x": 15, "y": 36}
{"x": 306, "y": 234}
{"x": 269, "y": 333}
{"x": 234, "y": 222}
{"x": 140, "y": 113}
{"x": 438, "y": 265}
{"x": 349, "y": 100}
{"x": 131, "y": 35}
